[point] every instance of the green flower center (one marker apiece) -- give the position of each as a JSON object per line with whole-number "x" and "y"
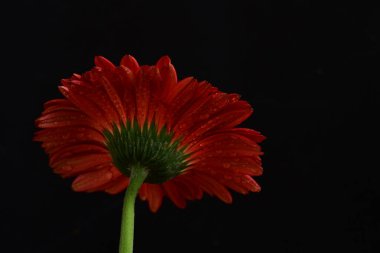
{"x": 133, "y": 146}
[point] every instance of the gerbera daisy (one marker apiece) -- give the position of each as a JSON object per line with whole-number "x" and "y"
{"x": 138, "y": 128}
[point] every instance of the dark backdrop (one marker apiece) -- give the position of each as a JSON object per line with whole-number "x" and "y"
{"x": 309, "y": 69}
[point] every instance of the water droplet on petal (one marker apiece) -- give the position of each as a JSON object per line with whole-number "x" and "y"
{"x": 67, "y": 168}
{"x": 226, "y": 165}
{"x": 234, "y": 98}
{"x": 181, "y": 126}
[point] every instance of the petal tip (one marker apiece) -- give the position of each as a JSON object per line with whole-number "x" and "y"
{"x": 130, "y": 62}
{"x": 104, "y": 63}
{"x": 164, "y": 61}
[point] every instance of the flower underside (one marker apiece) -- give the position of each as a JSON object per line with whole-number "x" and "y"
{"x": 148, "y": 147}
{"x": 114, "y": 120}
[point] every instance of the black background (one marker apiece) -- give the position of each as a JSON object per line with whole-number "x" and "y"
{"x": 310, "y": 69}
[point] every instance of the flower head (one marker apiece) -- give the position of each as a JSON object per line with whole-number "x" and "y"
{"x": 182, "y": 132}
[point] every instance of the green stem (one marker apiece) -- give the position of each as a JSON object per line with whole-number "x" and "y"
{"x": 138, "y": 175}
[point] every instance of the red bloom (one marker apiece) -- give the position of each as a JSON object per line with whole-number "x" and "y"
{"x": 182, "y": 131}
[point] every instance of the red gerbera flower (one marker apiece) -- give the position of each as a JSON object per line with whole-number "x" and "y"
{"x": 137, "y": 127}
{"x": 183, "y": 133}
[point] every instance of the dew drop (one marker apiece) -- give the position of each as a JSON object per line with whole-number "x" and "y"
{"x": 181, "y": 126}
{"x": 234, "y": 99}
{"x": 67, "y": 168}
{"x": 226, "y": 165}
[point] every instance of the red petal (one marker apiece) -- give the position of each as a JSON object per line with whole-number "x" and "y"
{"x": 208, "y": 105}
{"x": 54, "y": 137}
{"x": 228, "y": 143}
{"x": 92, "y": 180}
{"x": 229, "y": 165}
{"x": 130, "y": 62}
{"x": 248, "y": 133}
{"x": 189, "y": 190}
{"x": 148, "y": 94}
{"x": 118, "y": 185}
{"x": 63, "y": 118}
{"x": 114, "y": 98}
{"x": 177, "y": 88}
{"x": 142, "y": 97}
{"x": 143, "y": 191}
{"x": 228, "y": 118}
{"x": 93, "y": 93}
{"x": 250, "y": 183}
{"x": 172, "y": 191}
{"x": 59, "y": 104}
{"x": 193, "y": 94}
{"x": 211, "y": 186}
{"x": 128, "y": 80}
{"x": 234, "y": 186}
{"x": 156, "y": 89}
{"x": 88, "y": 107}
{"x": 79, "y": 164}
{"x": 168, "y": 74}
{"x": 76, "y": 150}
{"x": 104, "y": 63}
{"x": 154, "y": 196}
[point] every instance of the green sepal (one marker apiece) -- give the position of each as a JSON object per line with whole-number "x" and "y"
{"x": 131, "y": 145}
